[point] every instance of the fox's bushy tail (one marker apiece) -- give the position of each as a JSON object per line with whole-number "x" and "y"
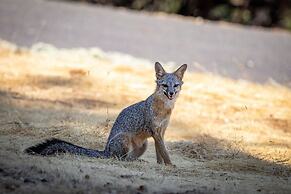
{"x": 55, "y": 146}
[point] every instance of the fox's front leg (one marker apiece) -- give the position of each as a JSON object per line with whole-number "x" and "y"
{"x": 158, "y": 154}
{"x": 161, "y": 150}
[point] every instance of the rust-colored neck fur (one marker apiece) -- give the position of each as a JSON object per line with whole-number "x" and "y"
{"x": 162, "y": 107}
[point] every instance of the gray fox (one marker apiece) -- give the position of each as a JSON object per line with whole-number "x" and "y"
{"x": 128, "y": 137}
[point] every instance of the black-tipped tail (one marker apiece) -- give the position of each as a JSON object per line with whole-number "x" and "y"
{"x": 55, "y": 146}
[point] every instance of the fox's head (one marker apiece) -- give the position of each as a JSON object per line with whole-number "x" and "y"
{"x": 169, "y": 84}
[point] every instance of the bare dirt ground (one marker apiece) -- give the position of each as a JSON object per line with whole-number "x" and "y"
{"x": 225, "y": 136}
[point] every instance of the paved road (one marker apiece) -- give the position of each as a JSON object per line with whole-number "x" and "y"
{"x": 234, "y": 51}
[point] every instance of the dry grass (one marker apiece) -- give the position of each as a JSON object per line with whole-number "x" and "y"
{"x": 225, "y": 136}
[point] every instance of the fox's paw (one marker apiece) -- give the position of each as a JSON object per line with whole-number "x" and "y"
{"x": 171, "y": 165}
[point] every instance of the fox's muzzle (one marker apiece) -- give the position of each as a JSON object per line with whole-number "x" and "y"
{"x": 170, "y": 95}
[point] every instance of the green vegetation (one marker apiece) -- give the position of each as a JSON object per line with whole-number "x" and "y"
{"x": 268, "y": 13}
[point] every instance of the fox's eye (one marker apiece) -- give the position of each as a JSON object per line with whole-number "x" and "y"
{"x": 176, "y": 85}
{"x": 165, "y": 85}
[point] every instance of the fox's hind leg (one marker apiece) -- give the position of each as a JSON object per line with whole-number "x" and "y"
{"x": 122, "y": 146}
{"x": 136, "y": 152}
{"x": 118, "y": 146}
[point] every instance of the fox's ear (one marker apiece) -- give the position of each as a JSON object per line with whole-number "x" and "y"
{"x": 180, "y": 71}
{"x": 159, "y": 70}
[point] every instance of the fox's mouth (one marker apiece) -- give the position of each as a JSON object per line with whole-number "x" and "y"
{"x": 170, "y": 97}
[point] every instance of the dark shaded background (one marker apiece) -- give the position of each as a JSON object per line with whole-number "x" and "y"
{"x": 238, "y": 52}
{"x": 268, "y": 13}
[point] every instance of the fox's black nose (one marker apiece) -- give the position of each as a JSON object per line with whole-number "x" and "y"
{"x": 171, "y": 93}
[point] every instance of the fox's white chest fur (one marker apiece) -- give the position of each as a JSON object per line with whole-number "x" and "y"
{"x": 163, "y": 113}
{"x": 169, "y": 104}
{"x": 161, "y": 122}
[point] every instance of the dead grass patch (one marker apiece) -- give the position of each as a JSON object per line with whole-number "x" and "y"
{"x": 226, "y": 136}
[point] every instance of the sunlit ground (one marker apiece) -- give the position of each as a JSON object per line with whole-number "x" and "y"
{"x": 225, "y": 135}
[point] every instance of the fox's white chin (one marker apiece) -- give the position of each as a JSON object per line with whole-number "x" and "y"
{"x": 171, "y": 98}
